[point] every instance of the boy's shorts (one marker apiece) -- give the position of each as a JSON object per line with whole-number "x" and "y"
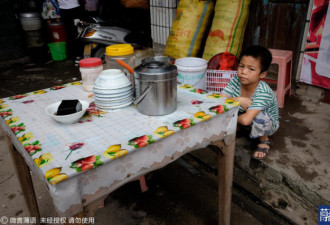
{"x": 261, "y": 125}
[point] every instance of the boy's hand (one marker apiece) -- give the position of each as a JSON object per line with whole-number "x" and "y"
{"x": 245, "y": 102}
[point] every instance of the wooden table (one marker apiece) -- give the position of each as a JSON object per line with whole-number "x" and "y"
{"x": 113, "y": 148}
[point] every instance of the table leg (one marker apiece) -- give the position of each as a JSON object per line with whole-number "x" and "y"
{"x": 24, "y": 176}
{"x": 225, "y": 178}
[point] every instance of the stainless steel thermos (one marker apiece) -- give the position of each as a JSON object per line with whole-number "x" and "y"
{"x": 156, "y": 86}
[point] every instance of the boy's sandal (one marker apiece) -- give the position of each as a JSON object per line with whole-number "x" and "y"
{"x": 269, "y": 143}
{"x": 263, "y": 150}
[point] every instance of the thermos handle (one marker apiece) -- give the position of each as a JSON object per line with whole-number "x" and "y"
{"x": 144, "y": 93}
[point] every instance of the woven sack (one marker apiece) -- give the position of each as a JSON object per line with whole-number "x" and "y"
{"x": 228, "y": 27}
{"x": 189, "y": 28}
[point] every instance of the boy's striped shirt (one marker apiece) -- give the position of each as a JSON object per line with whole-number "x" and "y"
{"x": 262, "y": 99}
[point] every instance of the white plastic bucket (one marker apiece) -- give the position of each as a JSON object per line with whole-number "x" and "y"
{"x": 191, "y": 70}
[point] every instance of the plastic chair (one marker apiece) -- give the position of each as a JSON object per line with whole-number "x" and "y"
{"x": 283, "y": 58}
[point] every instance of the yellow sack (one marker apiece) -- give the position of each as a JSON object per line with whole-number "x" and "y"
{"x": 189, "y": 28}
{"x": 228, "y": 27}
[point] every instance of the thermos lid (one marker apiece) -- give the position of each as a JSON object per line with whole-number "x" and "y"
{"x": 155, "y": 70}
{"x": 165, "y": 59}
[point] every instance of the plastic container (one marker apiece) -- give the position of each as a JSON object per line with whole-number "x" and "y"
{"x": 58, "y": 50}
{"x": 57, "y": 32}
{"x": 191, "y": 70}
{"x": 217, "y": 80}
{"x": 30, "y": 21}
{"x": 125, "y": 52}
{"x": 90, "y": 68}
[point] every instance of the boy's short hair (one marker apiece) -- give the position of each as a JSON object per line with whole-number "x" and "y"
{"x": 258, "y": 52}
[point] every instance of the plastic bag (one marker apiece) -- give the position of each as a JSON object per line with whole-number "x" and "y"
{"x": 223, "y": 61}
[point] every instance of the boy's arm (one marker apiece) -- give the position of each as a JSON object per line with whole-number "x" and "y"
{"x": 247, "y": 117}
{"x": 245, "y": 102}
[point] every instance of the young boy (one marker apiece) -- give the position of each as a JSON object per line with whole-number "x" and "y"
{"x": 259, "y": 107}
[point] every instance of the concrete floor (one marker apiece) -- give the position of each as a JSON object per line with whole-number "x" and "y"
{"x": 291, "y": 182}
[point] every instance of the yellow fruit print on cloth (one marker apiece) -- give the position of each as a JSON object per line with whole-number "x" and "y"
{"x": 17, "y": 97}
{"x": 232, "y": 102}
{"x": 186, "y": 86}
{"x": 115, "y": 151}
{"x": 12, "y": 120}
{"x": 57, "y": 87}
{"x": 183, "y": 124}
{"x": 1, "y": 101}
{"x": 86, "y": 163}
{"x": 54, "y": 176}
{"x": 3, "y": 106}
{"x": 214, "y": 96}
{"x": 26, "y": 137}
{"x": 39, "y": 92}
{"x": 202, "y": 116}
{"x": 18, "y": 128}
{"x": 43, "y": 160}
{"x": 75, "y": 83}
{"x": 141, "y": 141}
{"x": 5, "y": 114}
{"x": 163, "y": 132}
{"x": 33, "y": 148}
{"x": 199, "y": 91}
{"x": 218, "y": 109}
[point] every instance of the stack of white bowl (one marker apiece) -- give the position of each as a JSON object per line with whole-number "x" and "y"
{"x": 112, "y": 90}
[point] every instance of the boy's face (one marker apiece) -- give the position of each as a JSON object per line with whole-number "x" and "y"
{"x": 249, "y": 71}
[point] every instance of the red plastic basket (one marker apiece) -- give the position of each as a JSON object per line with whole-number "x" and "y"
{"x": 217, "y": 80}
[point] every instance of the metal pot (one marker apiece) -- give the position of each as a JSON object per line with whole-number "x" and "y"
{"x": 155, "y": 87}
{"x": 165, "y": 59}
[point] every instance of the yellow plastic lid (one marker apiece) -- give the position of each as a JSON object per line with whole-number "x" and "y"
{"x": 118, "y": 50}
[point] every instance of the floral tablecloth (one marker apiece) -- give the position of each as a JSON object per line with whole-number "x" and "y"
{"x": 84, "y": 161}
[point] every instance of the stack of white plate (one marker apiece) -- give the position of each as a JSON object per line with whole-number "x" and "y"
{"x": 112, "y": 90}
